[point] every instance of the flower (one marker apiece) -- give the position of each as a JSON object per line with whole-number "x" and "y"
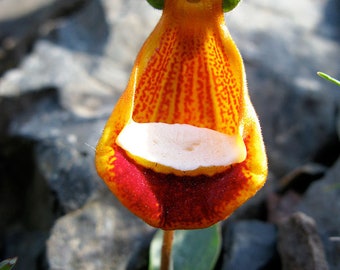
{"x": 188, "y": 74}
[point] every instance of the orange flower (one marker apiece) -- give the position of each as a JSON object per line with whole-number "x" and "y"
{"x": 188, "y": 72}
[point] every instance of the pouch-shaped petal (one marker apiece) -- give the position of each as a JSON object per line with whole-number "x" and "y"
{"x": 188, "y": 75}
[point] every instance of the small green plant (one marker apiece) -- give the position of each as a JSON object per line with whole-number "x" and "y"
{"x": 8, "y": 264}
{"x": 328, "y": 78}
{"x": 191, "y": 249}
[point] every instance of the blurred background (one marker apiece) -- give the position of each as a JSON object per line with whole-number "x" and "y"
{"x": 63, "y": 65}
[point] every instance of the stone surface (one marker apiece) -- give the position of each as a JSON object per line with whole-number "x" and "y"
{"x": 299, "y": 244}
{"x": 100, "y": 235}
{"x": 28, "y": 246}
{"x": 21, "y": 22}
{"x": 284, "y": 45}
{"x": 321, "y": 202}
{"x": 249, "y": 245}
{"x": 63, "y": 149}
{"x": 85, "y": 57}
{"x": 280, "y": 207}
{"x": 332, "y": 248}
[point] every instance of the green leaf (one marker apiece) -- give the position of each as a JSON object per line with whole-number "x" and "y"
{"x": 227, "y": 4}
{"x": 328, "y": 78}
{"x": 159, "y": 4}
{"x": 8, "y": 264}
{"x": 192, "y": 249}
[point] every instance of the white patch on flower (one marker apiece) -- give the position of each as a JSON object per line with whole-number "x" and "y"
{"x": 181, "y": 149}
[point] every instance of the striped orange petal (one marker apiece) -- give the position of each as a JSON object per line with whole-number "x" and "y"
{"x": 189, "y": 71}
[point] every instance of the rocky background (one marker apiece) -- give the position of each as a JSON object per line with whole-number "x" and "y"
{"x": 64, "y": 63}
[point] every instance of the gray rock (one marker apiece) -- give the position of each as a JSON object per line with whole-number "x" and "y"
{"x": 280, "y": 207}
{"x": 85, "y": 57}
{"x": 63, "y": 151}
{"x": 284, "y": 45}
{"x": 68, "y": 170}
{"x": 101, "y": 235}
{"x": 52, "y": 102}
{"x": 249, "y": 245}
{"x": 27, "y": 206}
{"x": 332, "y": 248}
{"x": 299, "y": 244}
{"x": 22, "y": 21}
{"x": 79, "y": 93}
{"x": 301, "y": 178}
{"x": 321, "y": 202}
{"x": 28, "y": 246}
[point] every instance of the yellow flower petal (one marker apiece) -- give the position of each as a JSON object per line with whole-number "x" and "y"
{"x": 188, "y": 72}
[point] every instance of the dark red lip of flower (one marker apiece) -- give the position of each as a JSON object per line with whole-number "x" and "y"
{"x": 172, "y": 202}
{"x": 168, "y": 201}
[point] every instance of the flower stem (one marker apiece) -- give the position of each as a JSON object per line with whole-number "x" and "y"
{"x": 166, "y": 250}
